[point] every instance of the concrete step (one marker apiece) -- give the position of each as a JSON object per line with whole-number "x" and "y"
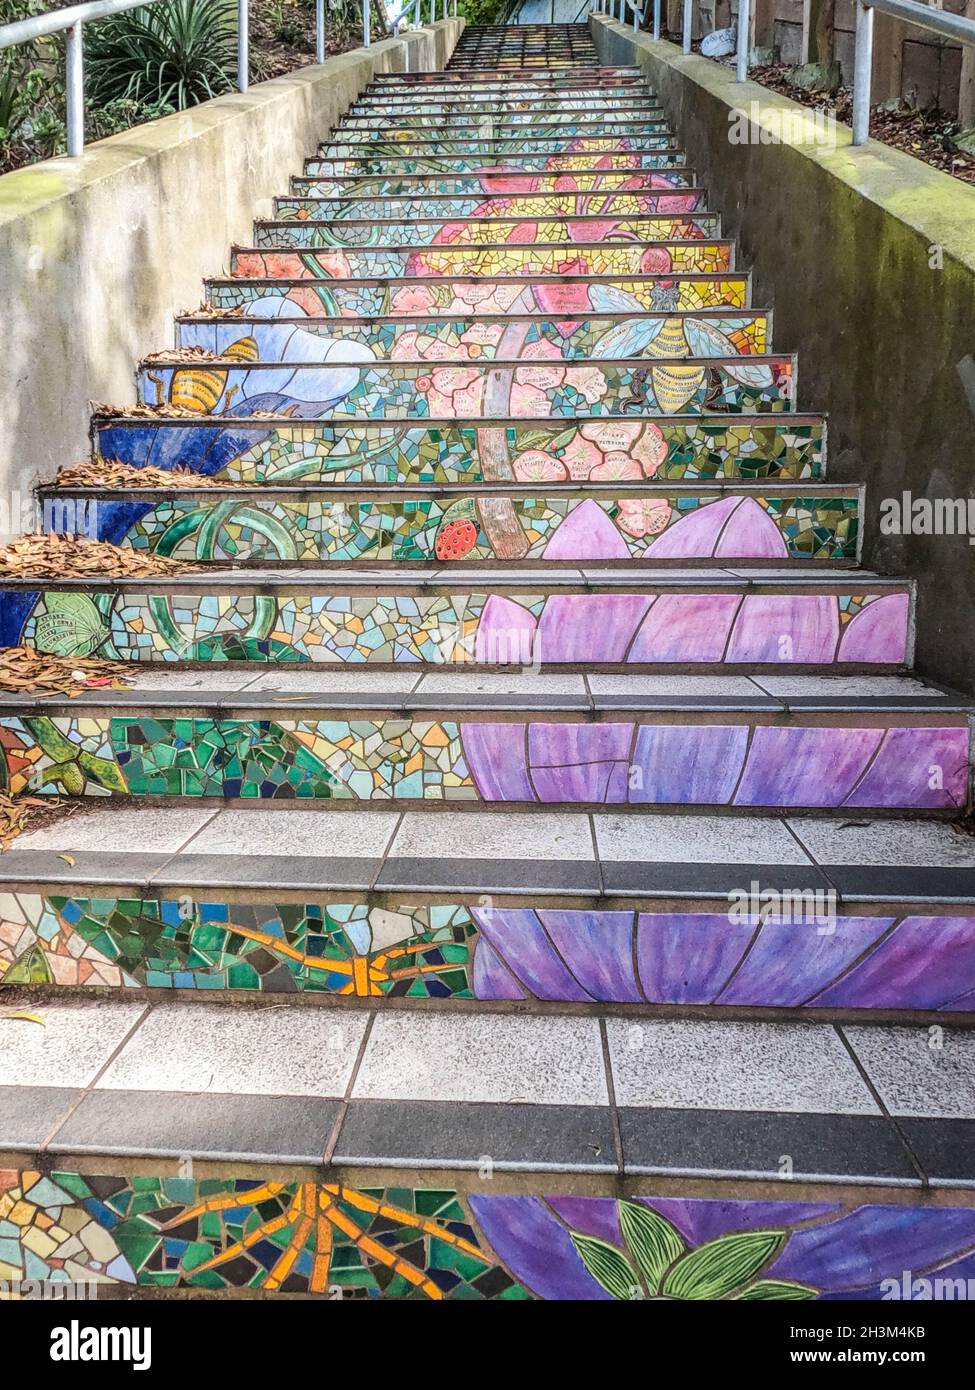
{"x": 379, "y": 110}
{"x": 598, "y": 617}
{"x": 341, "y": 382}
{"x": 557, "y": 78}
{"x": 364, "y": 164}
{"x": 276, "y": 325}
{"x": 651, "y": 523}
{"x": 491, "y": 293}
{"x": 511, "y": 186}
{"x": 728, "y": 916}
{"x": 319, "y": 224}
{"x": 377, "y": 1123}
{"x": 684, "y": 447}
{"x": 524, "y": 750}
{"x": 502, "y": 149}
{"x": 392, "y": 133}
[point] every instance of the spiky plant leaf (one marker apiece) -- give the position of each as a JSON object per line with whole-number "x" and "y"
{"x": 610, "y": 1269}
{"x": 651, "y": 1240}
{"x": 721, "y": 1266}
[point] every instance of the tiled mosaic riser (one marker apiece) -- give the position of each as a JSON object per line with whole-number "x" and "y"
{"x": 332, "y": 229}
{"x": 455, "y": 952}
{"x": 698, "y": 627}
{"x": 539, "y": 451}
{"x": 477, "y": 338}
{"x": 417, "y": 1242}
{"x": 409, "y": 759}
{"x": 642, "y": 526}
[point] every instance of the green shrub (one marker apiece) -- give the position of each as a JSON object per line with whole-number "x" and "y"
{"x": 173, "y": 55}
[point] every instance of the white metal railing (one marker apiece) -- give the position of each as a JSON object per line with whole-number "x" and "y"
{"x": 930, "y": 17}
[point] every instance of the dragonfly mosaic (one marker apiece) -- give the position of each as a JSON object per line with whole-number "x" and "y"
{"x": 457, "y": 951}
{"x": 337, "y": 1241}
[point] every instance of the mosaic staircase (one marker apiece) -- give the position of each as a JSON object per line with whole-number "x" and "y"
{"x": 595, "y": 804}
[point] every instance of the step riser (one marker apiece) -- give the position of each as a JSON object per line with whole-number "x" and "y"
{"x": 651, "y": 259}
{"x": 353, "y": 232}
{"x": 460, "y": 338}
{"x": 576, "y": 297}
{"x": 500, "y": 150}
{"x": 452, "y": 1235}
{"x": 457, "y": 951}
{"x": 365, "y": 165}
{"x": 467, "y": 390}
{"x": 313, "y": 452}
{"x": 472, "y": 761}
{"x": 387, "y": 136}
{"x": 648, "y": 526}
{"x": 712, "y": 628}
{"x": 394, "y": 110}
{"x": 513, "y": 187}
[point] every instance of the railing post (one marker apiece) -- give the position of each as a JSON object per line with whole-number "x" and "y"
{"x": 656, "y": 19}
{"x": 744, "y": 26}
{"x": 688, "y": 25}
{"x": 75, "y": 83}
{"x": 243, "y": 46}
{"x": 365, "y": 23}
{"x": 862, "y": 66}
{"x": 319, "y": 31}
{"x": 433, "y": 11}
{"x": 636, "y": 17}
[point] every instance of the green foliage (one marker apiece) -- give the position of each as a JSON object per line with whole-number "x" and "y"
{"x": 655, "y": 1263}
{"x": 483, "y": 11}
{"x": 174, "y": 55}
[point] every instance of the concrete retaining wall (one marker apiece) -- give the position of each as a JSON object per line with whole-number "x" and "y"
{"x": 868, "y": 258}
{"x": 98, "y": 253}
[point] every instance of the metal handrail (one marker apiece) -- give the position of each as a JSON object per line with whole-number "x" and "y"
{"x": 936, "y": 21}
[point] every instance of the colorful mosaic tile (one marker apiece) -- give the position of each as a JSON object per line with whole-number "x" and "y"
{"x": 502, "y": 259}
{"x": 368, "y": 230}
{"x": 505, "y": 148}
{"x": 689, "y": 449}
{"x": 413, "y": 759}
{"x": 544, "y": 386}
{"x": 510, "y": 186}
{"x": 277, "y": 326}
{"x": 397, "y": 133}
{"x": 642, "y": 526}
{"x": 719, "y": 626}
{"x": 403, "y": 1242}
{"x": 460, "y": 952}
{"x": 362, "y": 163}
{"x": 571, "y": 297}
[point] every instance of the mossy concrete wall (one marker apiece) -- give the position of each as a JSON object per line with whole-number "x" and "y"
{"x": 98, "y": 253}
{"x": 868, "y": 258}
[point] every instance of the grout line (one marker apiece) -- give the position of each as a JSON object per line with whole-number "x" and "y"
{"x": 384, "y": 855}
{"x": 879, "y": 1101}
{"x": 177, "y": 853}
{"x": 333, "y": 1137}
{"x": 614, "y": 1118}
{"x": 100, "y": 1072}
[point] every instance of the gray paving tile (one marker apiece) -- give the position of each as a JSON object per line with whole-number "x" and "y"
{"x": 919, "y": 1071}
{"x": 325, "y": 679}
{"x": 718, "y": 1065}
{"x": 552, "y": 877}
{"x": 28, "y": 1114}
{"x": 493, "y": 835}
{"x": 457, "y": 1134}
{"x": 199, "y": 1126}
{"x": 154, "y": 829}
{"x": 501, "y": 683}
{"x": 756, "y": 1143}
{"x": 316, "y": 831}
{"x": 897, "y": 843}
{"x": 945, "y": 1149}
{"x": 864, "y": 687}
{"x": 158, "y": 677}
{"x": 69, "y": 1047}
{"x": 696, "y": 839}
{"x": 664, "y": 685}
{"x": 269, "y": 871}
{"x": 484, "y": 1057}
{"x": 240, "y": 1051}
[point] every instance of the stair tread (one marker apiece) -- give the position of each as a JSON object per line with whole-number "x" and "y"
{"x": 537, "y": 1093}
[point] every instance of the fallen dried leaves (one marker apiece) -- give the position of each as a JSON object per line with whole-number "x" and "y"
{"x": 46, "y": 555}
{"x": 25, "y": 671}
{"x": 110, "y": 473}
